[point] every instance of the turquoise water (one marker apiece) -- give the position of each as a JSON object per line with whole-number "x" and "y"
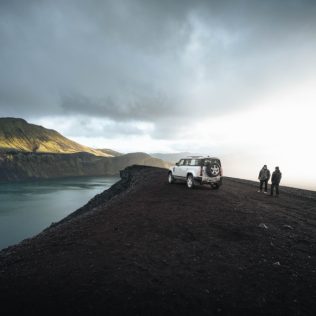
{"x": 26, "y": 208}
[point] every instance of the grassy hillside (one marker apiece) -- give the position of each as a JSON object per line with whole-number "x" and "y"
{"x": 19, "y": 135}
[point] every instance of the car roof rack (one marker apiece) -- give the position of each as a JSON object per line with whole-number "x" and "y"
{"x": 195, "y": 156}
{"x": 200, "y": 157}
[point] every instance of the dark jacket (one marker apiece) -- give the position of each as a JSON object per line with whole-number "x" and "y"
{"x": 276, "y": 177}
{"x": 264, "y": 174}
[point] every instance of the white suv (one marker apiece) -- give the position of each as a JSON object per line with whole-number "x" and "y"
{"x": 197, "y": 170}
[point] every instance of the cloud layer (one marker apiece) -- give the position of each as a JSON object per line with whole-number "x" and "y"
{"x": 162, "y": 63}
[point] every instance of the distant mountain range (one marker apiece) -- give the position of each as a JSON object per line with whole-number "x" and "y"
{"x": 32, "y": 151}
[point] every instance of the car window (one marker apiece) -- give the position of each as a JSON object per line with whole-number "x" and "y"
{"x": 187, "y": 162}
{"x": 194, "y": 162}
{"x": 211, "y": 161}
{"x": 206, "y": 162}
{"x": 181, "y": 162}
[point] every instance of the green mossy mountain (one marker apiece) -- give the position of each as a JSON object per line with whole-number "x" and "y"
{"x": 30, "y": 151}
{"x": 18, "y": 135}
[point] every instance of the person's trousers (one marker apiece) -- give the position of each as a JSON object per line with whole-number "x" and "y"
{"x": 276, "y": 186}
{"x": 265, "y": 182}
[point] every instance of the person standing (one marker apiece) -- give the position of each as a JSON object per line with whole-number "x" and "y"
{"x": 264, "y": 176}
{"x": 275, "y": 180}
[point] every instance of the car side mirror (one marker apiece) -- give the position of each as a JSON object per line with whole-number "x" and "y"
{"x": 177, "y": 164}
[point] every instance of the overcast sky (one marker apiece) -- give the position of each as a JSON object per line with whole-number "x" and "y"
{"x": 231, "y": 78}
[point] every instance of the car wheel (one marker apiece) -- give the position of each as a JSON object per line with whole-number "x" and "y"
{"x": 212, "y": 170}
{"x": 170, "y": 178}
{"x": 190, "y": 181}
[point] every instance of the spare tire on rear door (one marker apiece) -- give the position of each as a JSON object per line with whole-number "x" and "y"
{"x": 212, "y": 169}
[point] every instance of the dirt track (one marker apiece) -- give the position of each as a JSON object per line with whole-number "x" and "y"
{"x": 150, "y": 248}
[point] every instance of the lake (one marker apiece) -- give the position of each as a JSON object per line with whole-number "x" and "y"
{"x": 26, "y": 208}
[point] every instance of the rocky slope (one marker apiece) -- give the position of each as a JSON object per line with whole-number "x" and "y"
{"x": 145, "y": 247}
{"x": 18, "y": 135}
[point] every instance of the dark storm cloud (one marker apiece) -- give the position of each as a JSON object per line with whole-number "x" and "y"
{"x": 164, "y": 62}
{"x": 119, "y": 108}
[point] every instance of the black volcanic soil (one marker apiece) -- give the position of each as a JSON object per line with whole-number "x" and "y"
{"x": 146, "y": 247}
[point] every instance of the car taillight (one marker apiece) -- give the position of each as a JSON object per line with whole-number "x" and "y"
{"x": 221, "y": 171}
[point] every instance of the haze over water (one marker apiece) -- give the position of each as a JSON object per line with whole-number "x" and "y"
{"x": 26, "y": 208}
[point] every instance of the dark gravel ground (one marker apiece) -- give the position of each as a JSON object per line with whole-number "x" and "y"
{"x": 146, "y": 247}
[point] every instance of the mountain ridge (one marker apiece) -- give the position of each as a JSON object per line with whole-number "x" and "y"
{"x": 29, "y": 151}
{"x": 19, "y": 166}
{"x": 17, "y": 134}
{"x": 111, "y": 152}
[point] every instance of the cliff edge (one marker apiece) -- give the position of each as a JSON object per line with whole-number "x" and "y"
{"x": 145, "y": 247}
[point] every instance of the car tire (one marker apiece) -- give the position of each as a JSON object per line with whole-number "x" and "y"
{"x": 212, "y": 169}
{"x": 170, "y": 178}
{"x": 190, "y": 181}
